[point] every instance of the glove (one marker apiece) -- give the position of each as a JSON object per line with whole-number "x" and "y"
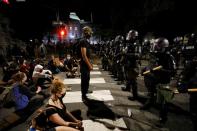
{"x": 151, "y": 70}
{"x": 182, "y": 87}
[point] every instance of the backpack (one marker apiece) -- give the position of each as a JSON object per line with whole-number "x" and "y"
{"x": 6, "y": 98}
{"x": 40, "y": 119}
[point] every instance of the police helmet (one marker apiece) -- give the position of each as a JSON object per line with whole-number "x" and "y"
{"x": 132, "y": 35}
{"x": 178, "y": 39}
{"x": 119, "y": 38}
{"x": 161, "y": 44}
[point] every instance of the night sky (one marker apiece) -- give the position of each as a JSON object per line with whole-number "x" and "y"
{"x": 168, "y": 16}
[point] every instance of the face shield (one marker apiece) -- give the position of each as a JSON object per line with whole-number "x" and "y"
{"x": 160, "y": 45}
{"x": 68, "y": 57}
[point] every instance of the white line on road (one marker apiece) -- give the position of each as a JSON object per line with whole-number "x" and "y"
{"x": 78, "y": 81}
{"x": 95, "y": 68}
{"x": 97, "y": 125}
{"x": 95, "y": 73}
{"x": 75, "y": 97}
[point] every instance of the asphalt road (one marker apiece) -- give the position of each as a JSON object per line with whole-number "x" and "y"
{"x": 111, "y": 105}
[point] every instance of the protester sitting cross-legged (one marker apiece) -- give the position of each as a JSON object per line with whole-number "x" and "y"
{"x": 52, "y": 65}
{"x": 69, "y": 66}
{"x": 59, "y": 118}
{"x": 39, "y": 76}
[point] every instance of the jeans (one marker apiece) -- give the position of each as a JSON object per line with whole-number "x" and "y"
{"x": 85, "y": 79}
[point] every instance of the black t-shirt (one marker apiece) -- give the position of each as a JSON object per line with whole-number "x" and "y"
{"x": 85, "y": 44}
{"x": 60, "y": 112}
{"x": 69, "y": 63}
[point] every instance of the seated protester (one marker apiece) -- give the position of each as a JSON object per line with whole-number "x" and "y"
{"x": 28, "y": 91}
{"x": 68, "y": 64}
{"x": 9, "y": 69}
{"x": 25, "y": 101}
{"x": 76, "y": 67}
{"x": 59, "y": 64}
{"x": 59, "y": 118}
{"x": 5, "y": 71}
{"x": 21, "y": 100}
{"x": 24, "y": 67}
{"x": 52, "y": 66}
{"x": 32, "y": 65}
{"x": 39, "y": 76}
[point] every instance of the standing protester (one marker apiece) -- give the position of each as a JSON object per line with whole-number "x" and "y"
{"x": 42, "y": 51}
{"x": 188, "y": 81}
{"x": 85, "y": 64}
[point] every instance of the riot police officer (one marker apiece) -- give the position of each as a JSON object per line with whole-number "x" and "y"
{"x": 186, "y": 82}
{"x": 130, "y": 63}
{"x": 118, "y": 56}
{"x": 189, "y": 48}
{"x": 159, "y": 57}
{"x": 176, "y": 49}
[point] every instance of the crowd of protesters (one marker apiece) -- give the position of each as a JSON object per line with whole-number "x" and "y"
{"x": 27, "y": 73}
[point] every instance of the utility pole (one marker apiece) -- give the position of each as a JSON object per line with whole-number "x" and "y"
{"x": 91, "y": 16}
{"x": 57, "y": 16}
{"x": 57, "y": 13}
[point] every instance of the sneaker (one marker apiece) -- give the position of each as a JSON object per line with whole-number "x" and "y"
{"x": 89, "y": 91}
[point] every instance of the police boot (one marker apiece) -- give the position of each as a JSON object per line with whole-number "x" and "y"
{"x": 133, "y": 98}
{"x": 127, "y": 88}
{"x": 148, "y": 103}
{"x": 135, "y": 95}
{"x": 161, "y": 122}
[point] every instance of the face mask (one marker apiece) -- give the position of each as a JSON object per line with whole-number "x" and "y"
{"x": 68, "y": 58}
{"x": 41, "y": 70}
{"x": 62, "y": 96}
{"x": 24, "y": 62}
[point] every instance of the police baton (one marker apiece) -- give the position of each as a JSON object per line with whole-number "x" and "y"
{"x": 188, "y": 90}
{"x": 156, "y": 68}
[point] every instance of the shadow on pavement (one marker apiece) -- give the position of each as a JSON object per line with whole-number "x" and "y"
{"x": 98, "y": 109}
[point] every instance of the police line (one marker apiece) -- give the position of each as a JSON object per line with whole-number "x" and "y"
{"x": 175, "y": 91}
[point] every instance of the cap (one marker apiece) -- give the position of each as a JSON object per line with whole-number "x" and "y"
{"x": 37, "y": 67}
